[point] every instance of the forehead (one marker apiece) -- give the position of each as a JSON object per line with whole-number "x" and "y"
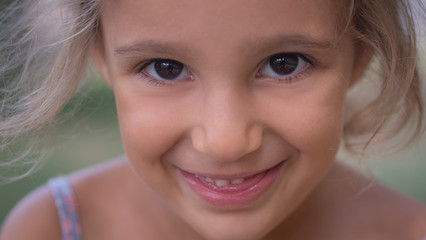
{"x": 221, "y": 21}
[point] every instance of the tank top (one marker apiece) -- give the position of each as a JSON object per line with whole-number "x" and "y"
{"x": 67, "y": 208}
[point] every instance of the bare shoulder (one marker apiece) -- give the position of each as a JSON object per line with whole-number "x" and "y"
{"x": 377, "y": 209}
{"x": 106, "y": 194}
{"x": 34, "y": 217}
{"x": 404, "y": 216}
{"x": 111, "y": 181}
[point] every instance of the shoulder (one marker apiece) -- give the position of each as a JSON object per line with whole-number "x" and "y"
{"x": 34, "y": 217}
{"x": 385, "y": 213}
{"x": 401, "y": 216}
{"x": 106, "y": 194}
{"x": 111, "y": 180}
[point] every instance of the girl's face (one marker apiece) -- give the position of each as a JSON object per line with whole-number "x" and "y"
{"x": 231, "y": 111}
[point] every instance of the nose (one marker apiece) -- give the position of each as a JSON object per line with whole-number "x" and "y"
{"x": 228, "y": 129}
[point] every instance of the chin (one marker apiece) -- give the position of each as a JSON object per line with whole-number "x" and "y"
{"x": 235, "y": 226}
{"x": 234, "y": 233}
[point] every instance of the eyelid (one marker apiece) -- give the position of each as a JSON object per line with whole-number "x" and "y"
{"x": 141, "y": 71}
{"x": 288, "y": 78}
{"x": 310, "y": 63}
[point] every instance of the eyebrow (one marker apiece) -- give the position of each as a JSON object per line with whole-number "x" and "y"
{"x": 290, "y": 41}
{"x": 252, "y": 45}
{"x": 153, "y": 46}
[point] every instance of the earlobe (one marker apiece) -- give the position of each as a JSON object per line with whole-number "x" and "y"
{"x": 98, "y": 56}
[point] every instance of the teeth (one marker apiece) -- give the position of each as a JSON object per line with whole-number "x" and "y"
{"x": 221, "y": 182}
{"x": 209, "y": 180}
{"x": 237, "y": 181}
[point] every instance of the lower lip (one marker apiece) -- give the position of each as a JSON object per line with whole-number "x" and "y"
{"x": 233, "y": 195}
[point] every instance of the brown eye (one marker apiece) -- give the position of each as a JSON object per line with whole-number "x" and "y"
{"x": 284, "y": 64}
{"x": 168, "y": 69}
{"x": 165, "y": 70}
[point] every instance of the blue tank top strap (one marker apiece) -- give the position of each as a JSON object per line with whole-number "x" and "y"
{"x": 67, "y": 208}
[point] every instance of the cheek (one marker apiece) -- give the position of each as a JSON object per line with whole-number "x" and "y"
{"x": 310, "y": 119}
{"x": 319, "y": 124}
{"x": 149, "y": 126}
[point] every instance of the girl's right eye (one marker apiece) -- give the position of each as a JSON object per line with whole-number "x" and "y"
{"x": 164, "y": 70}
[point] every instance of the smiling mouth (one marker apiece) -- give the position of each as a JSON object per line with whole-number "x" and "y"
{"x": 232, "y": 191}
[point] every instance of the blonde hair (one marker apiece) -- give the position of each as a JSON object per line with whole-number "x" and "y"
{"x": 45, "y": 46}
{"x": 387, "y": 28}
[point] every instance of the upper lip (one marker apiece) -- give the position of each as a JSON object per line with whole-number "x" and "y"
{"x": 231, "y": 176}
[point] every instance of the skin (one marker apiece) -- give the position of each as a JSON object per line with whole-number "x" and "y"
{"x": 228, "y": 117}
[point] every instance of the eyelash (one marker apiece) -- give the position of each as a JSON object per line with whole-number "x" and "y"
{"x": 284, "y": 79}
{"x": 292, "y": 77}
{"x": 141, "y": 71}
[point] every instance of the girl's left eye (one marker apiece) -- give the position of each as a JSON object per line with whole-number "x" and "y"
{"x": 284, "y": 66}
{"x": 164, "y": 70}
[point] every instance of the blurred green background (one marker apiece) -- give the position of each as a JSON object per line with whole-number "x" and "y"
{"x": 86, "y": 134}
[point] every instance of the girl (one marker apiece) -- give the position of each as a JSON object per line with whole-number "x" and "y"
{"x": 231, "y": 115}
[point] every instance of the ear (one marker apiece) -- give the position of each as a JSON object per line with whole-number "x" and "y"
{"x": 99, "y": 58}
{"x": 363, "y": 53}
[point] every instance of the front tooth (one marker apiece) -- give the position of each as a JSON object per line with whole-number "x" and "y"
{"x": 221, "y": 182}
{"x": 237, "y": 181}
{"x": 209, "y": 180}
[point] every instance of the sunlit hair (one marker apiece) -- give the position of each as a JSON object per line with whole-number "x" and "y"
{"x": 45, "y": 46}
{"x": 44, "y": 49}
{"x": 386, "y": 28}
